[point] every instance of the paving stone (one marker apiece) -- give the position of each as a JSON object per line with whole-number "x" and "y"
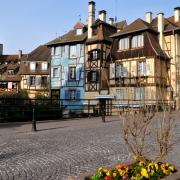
{"x": 61, "y": 149}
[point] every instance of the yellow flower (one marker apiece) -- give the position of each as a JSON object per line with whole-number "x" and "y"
{"x": 114, "y": 174}
{"x": 144, "y": 173}
{"x": 156, "y": 166}
{"x": 108, "y": 173}
{"x": 100, "y": 169}
{"x": 171, "y": 168}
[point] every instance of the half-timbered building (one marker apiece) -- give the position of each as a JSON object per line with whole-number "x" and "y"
{"x": 34, "y": 71}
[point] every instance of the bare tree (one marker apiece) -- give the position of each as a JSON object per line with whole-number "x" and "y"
{"x": 139, "y": 125}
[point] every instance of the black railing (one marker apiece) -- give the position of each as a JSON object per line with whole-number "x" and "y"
{"x": 13, "y": 109}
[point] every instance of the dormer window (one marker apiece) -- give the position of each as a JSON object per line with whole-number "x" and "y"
{"x": 79, "y": 31}
{"x": 44, "y": 66}
{"x": 11, "y": 72}
{"x": 32, "y": 66}
{"x": 124, "y": 43}
{"x": 137, "y": 41}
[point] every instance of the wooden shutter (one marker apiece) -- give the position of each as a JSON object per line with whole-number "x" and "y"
{"x": 66, "y": 94}
{"x": 97, "y": 75}
{"x": 66, "y": 73}
{"x": 112, "y": 71}
{"x": 78, "y": 72}
{"x": 88, "y": 76}
{"x": 66, "y": 51}
{"x": 78, "y": 94}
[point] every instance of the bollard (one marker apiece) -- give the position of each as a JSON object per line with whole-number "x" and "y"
{"x": 34, "y": 121}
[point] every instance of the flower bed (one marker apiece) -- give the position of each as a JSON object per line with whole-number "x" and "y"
{"x": 137, "y": 171}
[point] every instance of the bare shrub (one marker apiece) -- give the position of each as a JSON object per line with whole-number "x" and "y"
{"x": 140, "y": 125}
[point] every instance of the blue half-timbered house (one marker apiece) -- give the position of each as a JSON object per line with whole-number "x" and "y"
{"x": 67, "y": 67}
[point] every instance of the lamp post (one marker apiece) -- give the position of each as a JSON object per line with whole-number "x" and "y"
{"x": 33, "y": 121}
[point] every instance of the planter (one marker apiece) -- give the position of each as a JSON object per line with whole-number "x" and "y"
{"x": 86, "y": 176}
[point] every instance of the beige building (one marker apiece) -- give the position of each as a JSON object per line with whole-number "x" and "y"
{"x": 145, "y": 61}
{"x": 139, "y": 67}
{"x": 34, "y": 71}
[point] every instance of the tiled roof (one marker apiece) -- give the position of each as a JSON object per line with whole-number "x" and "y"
{"x": 120, "y": 25}
{"x": 78, "y": 25}
{"x": 137, "y": 25}
{"x": 9, "y": 62}
{"x": 68, "y": 38}
{"x": 39, "y": 55}
{"x": 168, "y": 24}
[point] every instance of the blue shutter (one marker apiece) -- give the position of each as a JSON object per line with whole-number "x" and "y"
{"x": 66, "y": 94}
{"x": 66, "y": 51}
{"x": 66, "y": 73}
{"x": 78, "y": 72}
{"x": 78, "y": 49}
{"x": 78, "y": 94}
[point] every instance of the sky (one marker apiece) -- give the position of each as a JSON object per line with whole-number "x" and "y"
{"x": 26, "y": 24}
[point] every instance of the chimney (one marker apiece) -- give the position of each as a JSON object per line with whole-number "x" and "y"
{"x": 102, "y": 15}
{"x": 160, "y": 17}
{"x": 91, "y": 17}
{"x": 20, "y": 54}
{"x": 176, "y": 14}
{"x": 111, "y": 21}
{"x": 1, "y": 49}
{"x": 149, "y": 17}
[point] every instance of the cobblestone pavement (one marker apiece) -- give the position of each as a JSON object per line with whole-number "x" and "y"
{"x": 63, "y": 148}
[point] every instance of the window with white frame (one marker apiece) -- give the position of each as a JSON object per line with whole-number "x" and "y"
{"x": 55, "y": 72}
{"x": 120, "y": 94}
{"x": 32, "y": 80}
{"x": 139, "y": 93}
{"x": 124, "y": 43}
{"x": 32, "y": 66}
{"x": 137, "y": 41}
{"x": 120, "y": 70}
{"x": 57, "y": 50}
{"x": 79, "y": 31}
{"x": 73, "y": 51}
{"x": 142, "y": 70}
{"x": 44, "y": 66}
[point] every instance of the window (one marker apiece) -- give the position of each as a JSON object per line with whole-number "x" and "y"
{"x": 120, "y": 70}
{"x": 32, "y": 66}
{"x": 79, "y": 31}
{"x": 124, "y": 43}
{"x": 72, "y": 94}
{"x": 44, "y": 66}
{"x": 142, "y": 68}
{"x": 93, "y": 76}
{"x": 138, "y": 41}
{"x": 72, "y": 73}
{"x": 139, "y": 93}
{"x": 57, "y": 50}
{"x": 44, "y": 81}
{"x": 55, "y": 72}
{"x": 94, "y": 54}
{"x": 120, "y": 94}
{"x": 73, "y": 51}
{"x": 32, "y": 80}
{"x": 11, "y": 72}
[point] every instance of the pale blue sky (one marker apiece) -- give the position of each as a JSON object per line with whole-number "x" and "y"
{"x": 26, "y": 24}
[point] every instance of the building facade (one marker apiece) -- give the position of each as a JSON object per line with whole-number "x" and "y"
{"x": 67, "y": 67}
{"x": 9, "y": 72}
{"x": 142, "y": 71}
{"x": 35, "y": 72}
{"x": 98, "y": 47}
